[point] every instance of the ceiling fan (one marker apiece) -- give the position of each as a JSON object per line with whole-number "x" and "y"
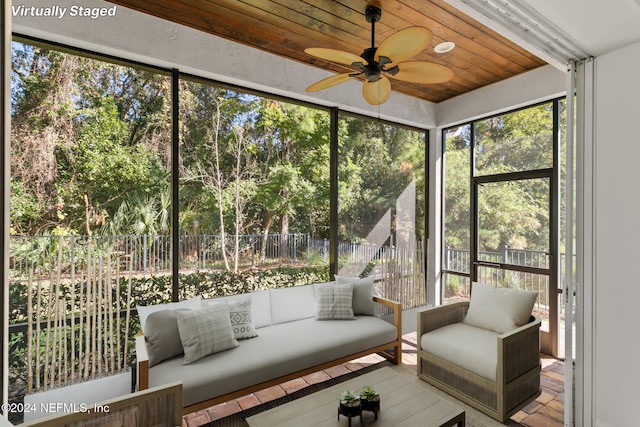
{"x": 376, "y": 63}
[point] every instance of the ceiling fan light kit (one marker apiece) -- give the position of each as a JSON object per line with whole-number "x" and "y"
{"x": 376, "y": 63}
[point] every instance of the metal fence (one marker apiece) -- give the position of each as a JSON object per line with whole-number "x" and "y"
{"x": 145, "y": 254}
{"x": 459, "y": 260}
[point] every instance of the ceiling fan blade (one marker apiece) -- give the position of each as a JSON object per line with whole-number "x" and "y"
{"x": 375, "y": 93}
{"x": 423, "y": 72}
{"x": 339, "y": 56}
{"x": 404, "y": 44}
{"x": 329, "y": 82}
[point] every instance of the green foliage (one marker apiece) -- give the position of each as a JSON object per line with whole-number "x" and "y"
{"x": 349, "y": 397}
{"x": 512, "y": 214}
{"x": 25, "y": 210}
{"x": 378, "y": 163}
{"x": 368, "y": 393}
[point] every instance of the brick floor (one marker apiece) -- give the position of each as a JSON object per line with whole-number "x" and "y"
{"x": 548, "y": 409}
{"x": 545, "y": 411}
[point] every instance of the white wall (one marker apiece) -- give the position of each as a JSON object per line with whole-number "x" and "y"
{"x": 617, "y": 238}
{"x": 144, "y": 38}
{"x": 538, "y": 85}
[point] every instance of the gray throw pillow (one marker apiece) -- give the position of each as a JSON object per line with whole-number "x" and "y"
{"x": 162, "y": 336}
{"x": 206, "y": 331}
{"x": 334, "y": 302}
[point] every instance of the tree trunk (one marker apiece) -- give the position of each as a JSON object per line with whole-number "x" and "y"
{"x": 284, "y": 236}
{"x": 87, "y": 215}
{"x": 265, "y": 236}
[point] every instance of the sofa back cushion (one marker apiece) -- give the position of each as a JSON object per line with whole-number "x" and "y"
{"x": 260, "y": 306}
{"x": 499, "y": 309}
{"x": 295, "y": 303}
{"x": 362, "y": 294}
{"x": 146, "y": 310}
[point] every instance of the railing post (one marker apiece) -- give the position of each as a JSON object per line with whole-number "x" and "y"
{"x": 204, "y": 251}
{"x": 144, "y": 253}
{"x": 253, "y": 250}
{"x": 325, "y": 249}
{"x": 295, "y": 247}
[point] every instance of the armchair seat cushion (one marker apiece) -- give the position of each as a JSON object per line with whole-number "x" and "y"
{"x": 470, "y": 347}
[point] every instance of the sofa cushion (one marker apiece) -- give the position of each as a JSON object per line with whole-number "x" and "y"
{"x": 205, "y": 331}
{"x": 162, "y": 336}
{"x": 261, "y": 308}
{"x": 307, "y": 343}
{"x": 472, "y": 348}
{"x": 334, "y": 302}
{"x": 295, "y": 303}
{"x": 499, "y": 309}
{"x": 146, "y": 310}
{"x": 362, "y": 294}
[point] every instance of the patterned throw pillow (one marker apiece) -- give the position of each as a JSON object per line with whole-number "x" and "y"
{"x": 241, "y": 320}
{"x": 334, "y": 302}
{"x": 204, "y": 332}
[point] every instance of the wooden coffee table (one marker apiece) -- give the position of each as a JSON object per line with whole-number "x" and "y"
{"x": 404, "y": 401}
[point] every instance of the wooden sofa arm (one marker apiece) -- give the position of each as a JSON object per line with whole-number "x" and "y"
{"x": 397, "y": 310}
{"x": 142, "y": 362}
{"x": 396, "y": 356}
{"x": 519, "y": 350}
{"x": 432, "y": 318}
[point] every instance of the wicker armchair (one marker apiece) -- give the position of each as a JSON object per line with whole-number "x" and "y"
{"x": 518, "y": 365}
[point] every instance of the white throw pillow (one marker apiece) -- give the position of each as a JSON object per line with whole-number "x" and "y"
{"x": 145, "y": 310}
{"x": 499, "y": 309}
{"x": 335, "y": 302}
{"x": 204, "y": 332}
{"x": 241, "y": 318}
{"x": 362, "y": 294}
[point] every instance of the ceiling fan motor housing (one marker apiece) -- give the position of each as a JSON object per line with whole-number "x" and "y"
{"x": 373, "y": 68}
{"x": 373, "y": 13}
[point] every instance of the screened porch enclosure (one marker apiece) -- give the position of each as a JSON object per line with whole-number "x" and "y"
{"x": 126, "y": 204}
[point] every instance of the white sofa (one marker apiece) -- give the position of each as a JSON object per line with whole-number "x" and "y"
{"x": 291, "y": 341}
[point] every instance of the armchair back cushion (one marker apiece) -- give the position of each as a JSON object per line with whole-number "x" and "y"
{"x": 499, "y": 309}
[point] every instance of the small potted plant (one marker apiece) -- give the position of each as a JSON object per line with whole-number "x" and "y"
{"x": 349, "y": 405}
{"x": 370, "y": 400}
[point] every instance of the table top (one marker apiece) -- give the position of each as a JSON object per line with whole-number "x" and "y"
{"x": 404, "y": 401}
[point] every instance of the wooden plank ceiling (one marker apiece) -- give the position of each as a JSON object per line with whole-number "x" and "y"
{"x": 287, "y": 27}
